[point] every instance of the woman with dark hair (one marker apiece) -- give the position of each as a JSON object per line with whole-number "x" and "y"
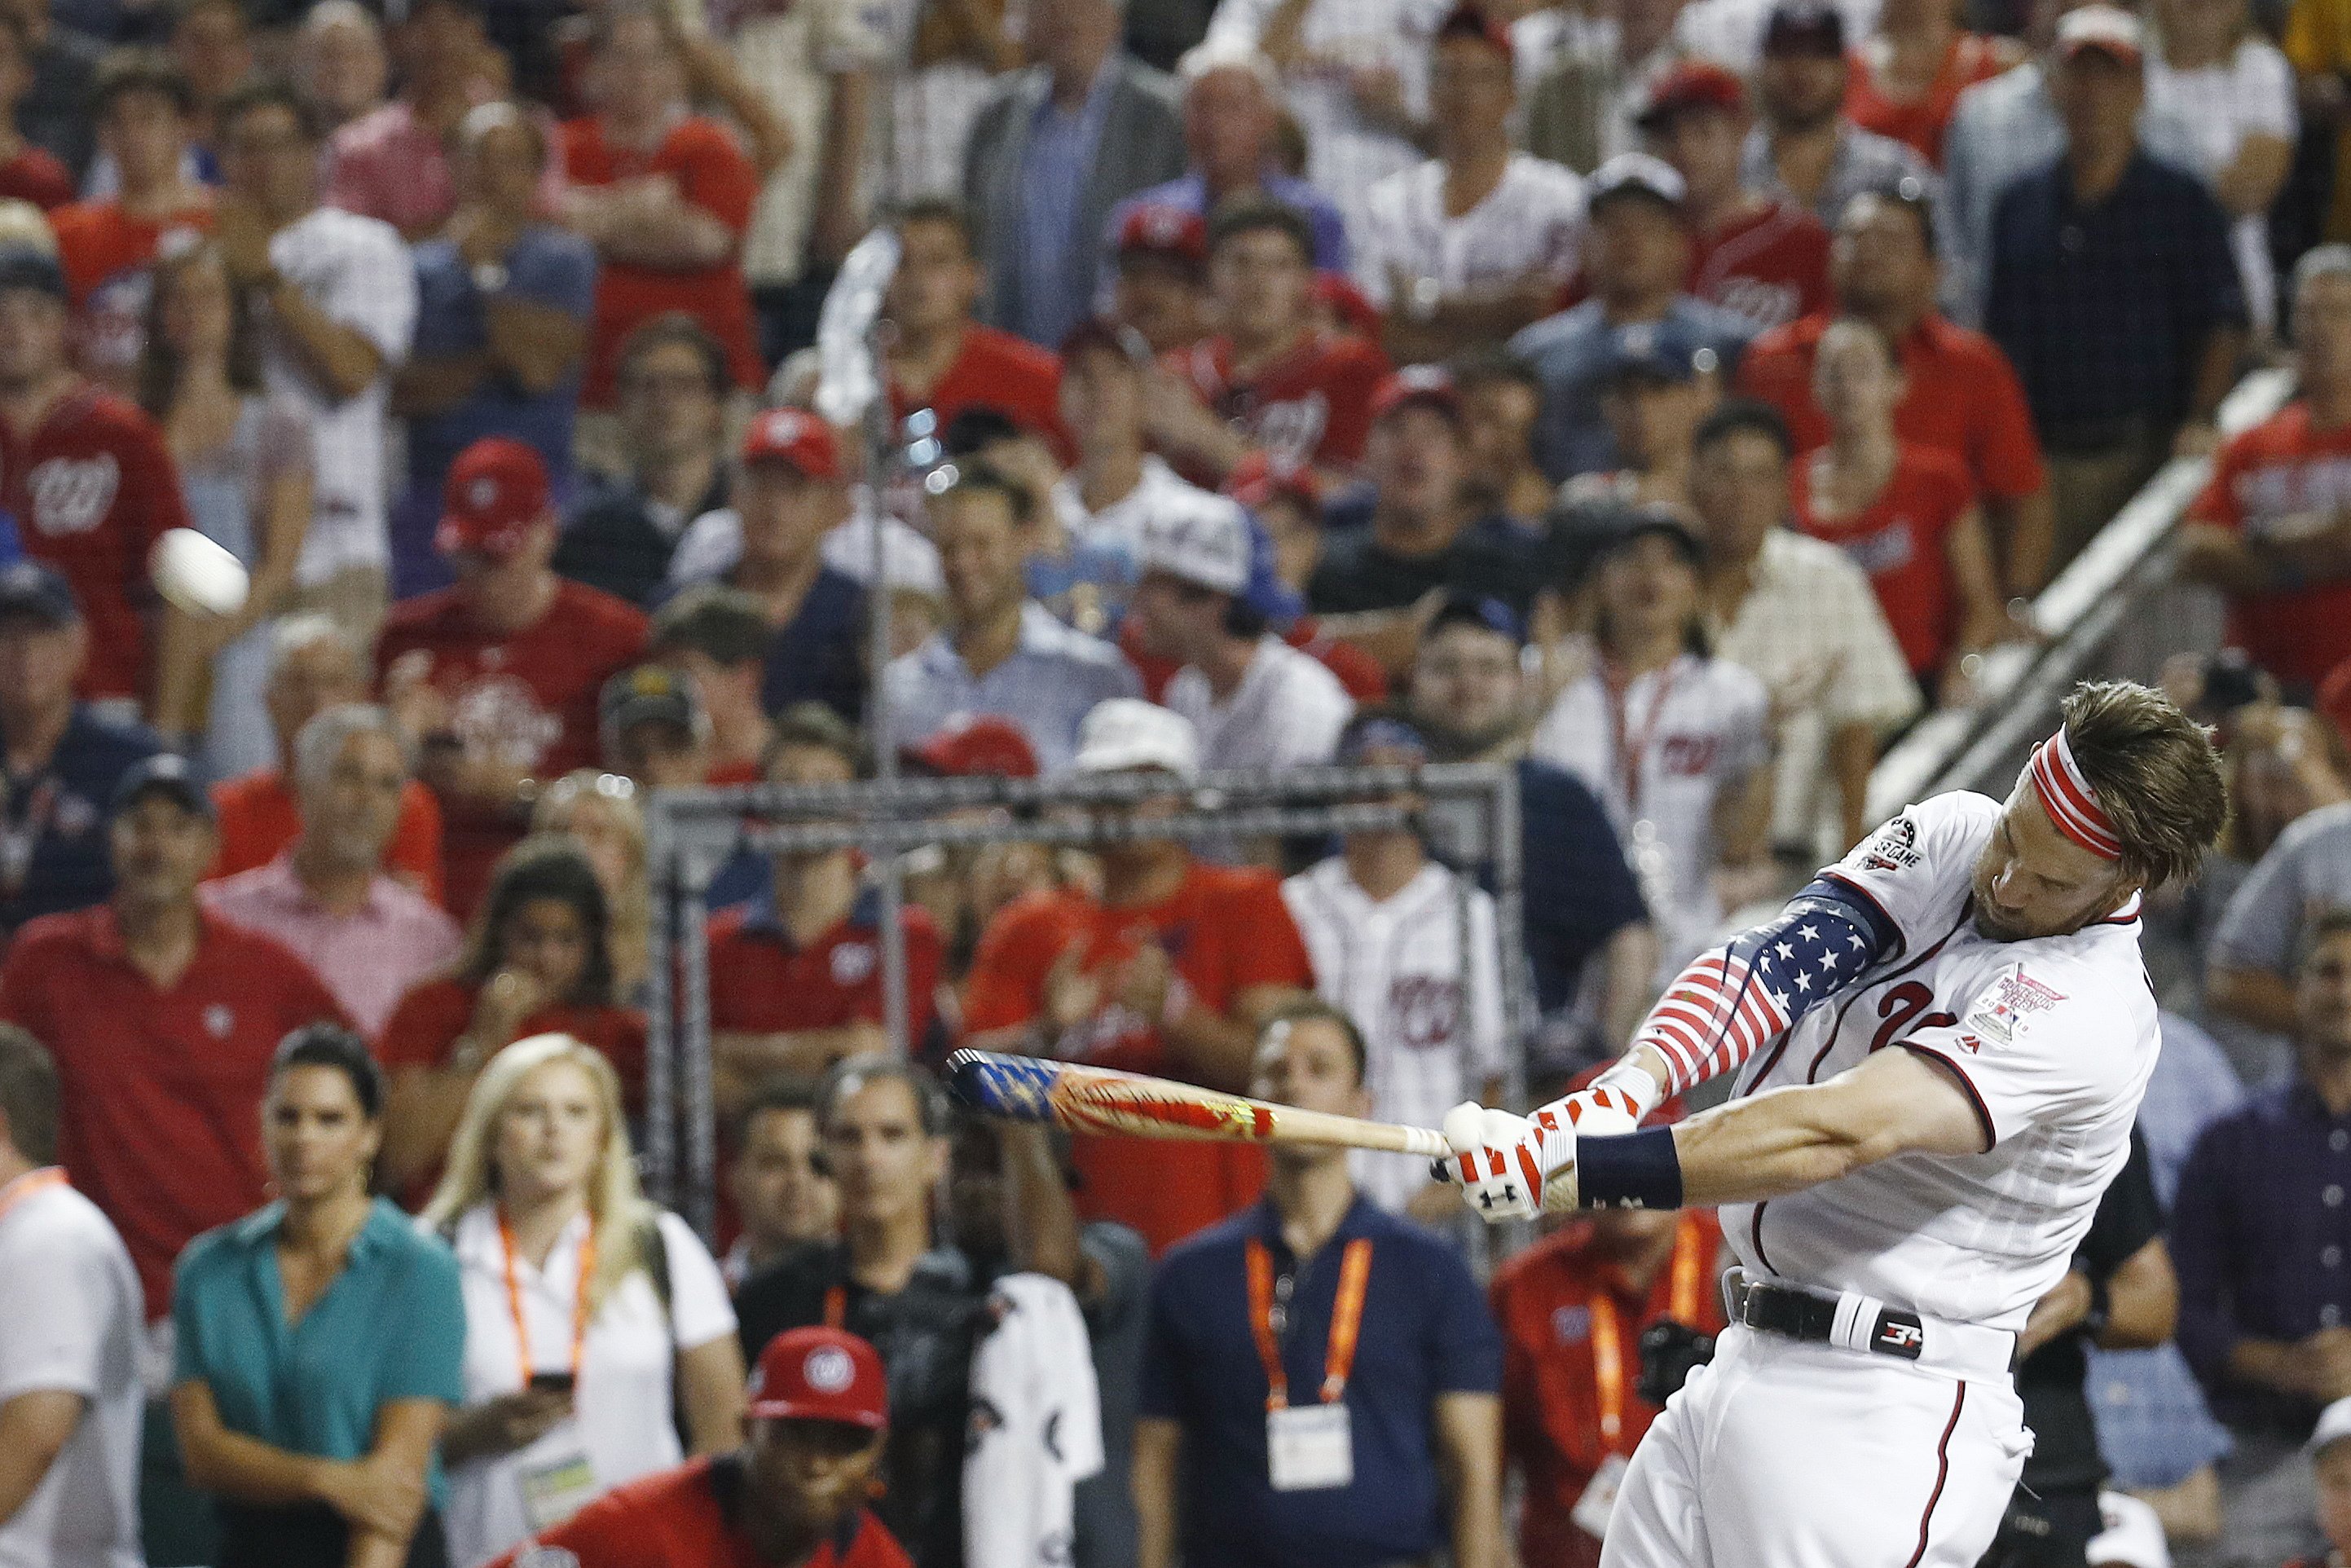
{"x": 1670, "y": 738}
{"x": 245, "y": 466}
{"x": 320, "y": 1340}
{"x": 539, "y": 961}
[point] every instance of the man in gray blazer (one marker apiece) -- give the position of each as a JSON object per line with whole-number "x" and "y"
{"x": 1056, "y": 147}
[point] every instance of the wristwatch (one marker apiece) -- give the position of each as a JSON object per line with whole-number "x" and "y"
{"x": 489, "y": 276}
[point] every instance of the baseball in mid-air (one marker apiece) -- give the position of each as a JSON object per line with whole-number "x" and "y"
{"x": 197, "y": 575}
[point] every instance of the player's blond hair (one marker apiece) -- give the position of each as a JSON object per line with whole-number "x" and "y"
{"x": 616, "y": 1206}
{"x": 2156, "y": 775}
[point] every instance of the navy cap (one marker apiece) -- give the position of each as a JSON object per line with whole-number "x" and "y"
{"x": 33, "y": 589}
{"x": 166, "y": 773}
{"x": 30, "y": 266}
{"x": 1478, "y": 609}
{"x": 1655, "y": 351}
{"x": 1804, "y": 27}
{"x": 1649, "y": 520}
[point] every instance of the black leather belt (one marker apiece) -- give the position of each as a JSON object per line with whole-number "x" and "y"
{"x": 1799, "y": 1315}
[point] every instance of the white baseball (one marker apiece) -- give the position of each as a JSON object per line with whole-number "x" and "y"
{"x": 197, "y": 575}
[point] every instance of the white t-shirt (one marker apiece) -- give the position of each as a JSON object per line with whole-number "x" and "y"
{"x": 358, "y": 272}
{"x": 1394, "y": 966}
{"x": 1659, "y": 761}
{"x": 69, "y": 1320}
{"x": 2250, "y": 93}
{"x": 1532, "y": 221}
{"x": 1287, "y": 712}
{"x": 1117, "y": 529}
{"x": 623, "y": 1398}
{"x": 712, "y": 543}
{"x": 2054, "y": 1039}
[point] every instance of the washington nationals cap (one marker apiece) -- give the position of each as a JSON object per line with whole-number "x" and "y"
{"x": 1157, "y": 229}
{"x": 794, "y": 436}
{"x": 495, "y": 490}
{"x": 38, "y": 592}
{"x": 167, "y": 774}
{"x": 1693, "y": 84}
{"x": 1426, "y": 386}
{"x": 821, "y": 1375}
{"x": 977, "y": 746}
{"x": 1477, "y": 610}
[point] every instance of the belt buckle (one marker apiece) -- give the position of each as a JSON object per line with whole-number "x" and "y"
{"x": 1897, "y": 1334}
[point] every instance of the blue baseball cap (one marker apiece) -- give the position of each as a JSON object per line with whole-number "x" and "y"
{"x": 167, "y": 774}
{"x": 1478, "y": 609}
{"x": 1655, "y": 351}
{"x": 39, "y": 592}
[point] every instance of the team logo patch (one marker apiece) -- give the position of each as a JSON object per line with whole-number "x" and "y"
{"x": 481, "y": 493}
{"x": 1898, "y": 1334}
{"x": 851, "y": 962}
{"x": 1894, "y": 847}
{"x": 219, "y": 1020}
{"x": 1570, "y": 1326}
{"x": 829, "y": 1369}
{"x": 73, "y": 495}
{"x": 2000, "y": 1017}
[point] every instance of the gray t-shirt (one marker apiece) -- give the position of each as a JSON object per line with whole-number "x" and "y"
{"x": 2306, "y": 873}
{"x": 1117, "y": 1321}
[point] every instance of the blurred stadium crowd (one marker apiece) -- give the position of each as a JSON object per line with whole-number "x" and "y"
{"x": 1671, "y": 400}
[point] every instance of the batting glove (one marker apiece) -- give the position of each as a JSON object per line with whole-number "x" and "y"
{"x": 1505, "y": 1162}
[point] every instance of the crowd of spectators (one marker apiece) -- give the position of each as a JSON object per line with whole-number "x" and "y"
{"x": 1670, "y": 401}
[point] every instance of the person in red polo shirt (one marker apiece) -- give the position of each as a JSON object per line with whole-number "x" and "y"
{"x": 1903, "y": 513}
{"x": 665, "y": 197}
{"x": 1581, "y": 1379}
{"x": 163, "y": 1020}
{"x": 498, "y": 676}
{"x": 84, "y": 478}
{"x": 1765, "y": 259}
{"x": 796, "y": 974}
{"x": 820, "y": 1418}
{"x": 941, "y": 359}
{"x": 1268, "y": 380}
{"x": 1961, "y": 394}
{"x": 1169, "y": 971}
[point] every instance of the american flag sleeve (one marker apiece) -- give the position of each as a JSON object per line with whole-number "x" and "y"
{"x": 1733, "y": 1000}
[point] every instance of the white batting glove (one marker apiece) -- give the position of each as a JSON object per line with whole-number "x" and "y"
{"x": 1504, "y": 1163}
{"x": 1600, "y": 1112}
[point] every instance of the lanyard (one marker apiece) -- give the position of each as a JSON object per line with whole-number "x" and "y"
{"x": 578, "y": 1297}
{"x": 20, "y": 837}
{"x": 25, "y": 1186}
{"x": 1346, "y": 1321}
{"x": 836, "y": 1307}
{"x": 1630, "y": 749}
{"x": 1608, "y": 1346}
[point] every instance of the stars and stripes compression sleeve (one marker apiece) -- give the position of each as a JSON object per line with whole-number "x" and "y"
{"x": 1734, "y": 998}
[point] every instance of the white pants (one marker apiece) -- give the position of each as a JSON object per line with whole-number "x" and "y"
{"x": 1786, "y": 1454}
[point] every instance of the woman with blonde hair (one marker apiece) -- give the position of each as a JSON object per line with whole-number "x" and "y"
{"x": 591, "y": 1316}
{"x": 599, "y": 813}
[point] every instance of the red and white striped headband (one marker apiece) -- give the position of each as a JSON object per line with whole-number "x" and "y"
{"x": 2065, "y": 794}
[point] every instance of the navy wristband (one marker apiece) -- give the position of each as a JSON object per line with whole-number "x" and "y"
{"x": 1639, "y": 1170}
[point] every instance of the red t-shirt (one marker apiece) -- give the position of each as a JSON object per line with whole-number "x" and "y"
{"x": 2272, "y": 480}
{"x": 260, "y": 821}
{"x": 676, "y": 1517}
{"x": 1313, "y": 404}
{"x": 1922, "y": 124}
{"x": 108, "y": 254}
{"x": 35, "y": 176}
{"x": 161, "y": 1089}
{"x": 1770, "y": 265}
{"x": 526, "y": 696}
{"x": 759, "y": 983}
{"x": 1961, "y": 396}
{"x": 1226, "y": 930}
{"x": 91, "y": 490}
{"x": 712, "y": 173}
{"x": 997, "y": 370}
{"x": 1901, "y": 540}
{"x": 1552, "y": 1398}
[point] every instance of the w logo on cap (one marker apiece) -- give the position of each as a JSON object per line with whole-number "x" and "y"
{"x": 828, "y": 1370}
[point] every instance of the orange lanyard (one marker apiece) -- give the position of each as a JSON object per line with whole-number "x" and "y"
{"x": 836, "y": 1308}
{"x": 578, "y": 1297}
{"x": 1631, "y": 750}
{"x": 1346, "y": 1321}
{"x": 25, "y": 1186}
{"x": 1607, "y": 1345}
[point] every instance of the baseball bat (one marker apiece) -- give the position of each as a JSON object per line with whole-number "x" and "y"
{"x": 1104, "y": 1100}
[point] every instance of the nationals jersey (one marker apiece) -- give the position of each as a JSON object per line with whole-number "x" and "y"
{"x": 2053, "y": 1039}
{"x": 1310, "y": 407}
{"x": 1432, "y": 1024}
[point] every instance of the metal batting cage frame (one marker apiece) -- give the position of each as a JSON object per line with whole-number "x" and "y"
{"x": 691, "y": 834}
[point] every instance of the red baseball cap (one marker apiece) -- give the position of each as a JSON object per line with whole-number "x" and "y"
{"x": 1472, "y": 22}
{"x": 977, "y": 746}
{"x": 1256, "y": 480}
{"x": 1430, "y": 385}
{"x": 1693, "y": 84}
{"x": 794, "y": 436}
{"x": 495, "y": 489}
{"x": 1348, "y": 303}
{"x": 1155, "y": 228}
{"x": 821, "y": 1375}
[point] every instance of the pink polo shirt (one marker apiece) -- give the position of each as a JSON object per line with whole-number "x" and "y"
{"x": 367, "y": 958}
{"x": 385, "y": 165}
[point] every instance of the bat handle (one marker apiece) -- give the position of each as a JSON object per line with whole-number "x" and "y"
{"x": 1014, "y": 1087}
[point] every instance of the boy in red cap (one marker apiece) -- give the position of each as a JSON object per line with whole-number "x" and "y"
{"x": 819, "y": 1417}
{"x": 498, "y": 676}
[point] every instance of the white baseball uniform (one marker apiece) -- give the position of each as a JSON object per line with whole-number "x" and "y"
{"x": 1786, "y": 1451}
{"x": 1394, "y": 966}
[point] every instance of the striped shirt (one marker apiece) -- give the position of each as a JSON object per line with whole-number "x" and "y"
{"x": 1047, "y": 687}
